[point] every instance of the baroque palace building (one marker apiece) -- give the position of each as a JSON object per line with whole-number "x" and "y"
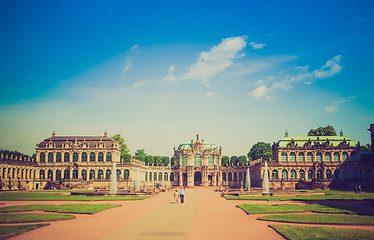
{"x": 305, "y": 162}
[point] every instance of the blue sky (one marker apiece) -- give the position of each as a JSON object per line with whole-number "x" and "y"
{"x": 159, "y": 72}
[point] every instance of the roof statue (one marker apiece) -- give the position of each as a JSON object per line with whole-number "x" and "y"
{"x": 341, "y": 133}
{"x": 286, "y": 134}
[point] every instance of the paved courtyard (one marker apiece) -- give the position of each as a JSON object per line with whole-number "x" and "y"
{"x": 204, "y": 215}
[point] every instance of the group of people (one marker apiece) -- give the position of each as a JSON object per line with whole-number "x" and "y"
{"x": 179, "y": 196}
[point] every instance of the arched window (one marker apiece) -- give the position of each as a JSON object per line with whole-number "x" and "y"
{"x": 155, "y": 176}
{"x": 292, "y": 157}
{"x": 66, "y": 174}
{"x": 146, "y": 176}
{"x": 235, "y": 176}
{"x": 42, "y": 157}
{"x": 285, "y": 174}
{"x": 58, "y": 157}
{"x": 345, "y": 174}
{"x": 336, "y": 157}
{"x": 14, "y": 173}
{"x": 309, "y": 157}
{"x": 4, "y": 171}
{"x": 75, "y": 174}
{"x": 108, "y": 173}
{"x": 84, "y": 157}
{"x": 100, "y": 174}
{"x": 108, "y": 157}
{"x": 126, "y": 174}
{"x": 302, "y": 174}
{"x": 184, "y": 160}
{"x": 22, "y": 174}
{"x": 301, "y": 157}
{"x": 337, "y": 174}
{"x": 66, "y": 157}
{"x": 319, "y": 174}
{"x": 319, "y": 157}
{"x": 26, "y": 173}
{"x": 166, "y": 177}
{"x": 84, "y": 175}
{"x": 160, "y": 176}
{"x": 310, "y": 174}
{"x": 210, "y": 160}
{"x": 50, "y": 157}
{"x": 353, "y": 157}
{"x": 345, "y": 156}
{"x": 118, "y": 174}
{"x": 100, "y": 157}
{"x": 284, "y": 157}
{"x": 171, "y": 177}
{"x": 224, "y": 176}
{"x": 328, "y": 174}
{"x": 150, "y": 176}
{"x": 230, "y": 176}
{"x": 92, "y": 174}
{"x": 197, "y": 160}
{"x": 368, "y": 174}
{"x": 58, "y": 175}
{"x": 274, "y": 174}
{"x": 293, "y": 174}
{"x": 328, "y": 157}
{"x": 240, "y": 176}
{"x": 75, "y": 157}
{"x": 50, "y": 174}
{"x": 92, "y": 157}
{"x": 41, "y": 174}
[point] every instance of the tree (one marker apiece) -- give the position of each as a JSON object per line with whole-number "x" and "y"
{"x": 258, "y": 150}
{"x": 158, "y": 160}
{"x": 322, "y": 131}
{"x": 140, "y": 153}
{"x": 141, "y": 158}
{"x": 225, "y": 160}
{"x": 149, "y": 160}
{"x": 172, "y": 161}
{"x": 165, "y": 160}
{"x": 126, "y": 157}
{"x": 366, "y": 148}
{"x": 242, "y": 160}
{"x": 267, "y": 156}
{"x": 121, "y": 141}
{"x": 234, "y": 160}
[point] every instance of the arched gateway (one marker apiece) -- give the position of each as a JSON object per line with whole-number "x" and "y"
{"x": 198, "y": 164}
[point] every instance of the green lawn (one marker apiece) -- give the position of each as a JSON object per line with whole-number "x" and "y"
{"x": 289, "y": 208}
{"x": 321, "y": 219}
{"x": 57, "y": 196}
{"x": 30, "y": 217}
{"x": 321, "y": 233}
{"x": 64, "y": 208}
{"x": 11, "y": 231}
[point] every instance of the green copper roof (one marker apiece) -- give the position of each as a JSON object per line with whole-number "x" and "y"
{"x": 301, "y": 140}
{"x": 189, "y": 146}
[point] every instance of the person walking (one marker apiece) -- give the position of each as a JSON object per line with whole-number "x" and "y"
{"x": 181, "y": 194}
{"x": 176, "y": 196}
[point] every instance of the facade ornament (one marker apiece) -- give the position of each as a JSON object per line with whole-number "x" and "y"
{"x": 53, "y": 133}
{"x": 341, "y": 133}
{"x": 286, "y": 134}
{"x": 105, "y": 134}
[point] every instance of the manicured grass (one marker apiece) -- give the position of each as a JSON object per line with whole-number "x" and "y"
{"x": 11, "y": 231}
{"x": 289, "y": 208}
{"x": 328, "y": 196}
{"x": 57, "y": 196}
{"x": 321, "y": 219}
{"x": 64, "y": 208}
{"x": 29, "y": 217}
{"x": 321, "y": 233}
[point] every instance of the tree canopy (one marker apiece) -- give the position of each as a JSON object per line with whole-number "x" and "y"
{"x": 121, "y": 141}
{"x": 258, "y": 150}
{"x": 225, "y": 160}
{"x": 149, "y": 160}
{"x": 242, "y": 160}
{"x": 322, "y": 131}
{"x": 165, "y": 160}
{"x": 140, "y": 154}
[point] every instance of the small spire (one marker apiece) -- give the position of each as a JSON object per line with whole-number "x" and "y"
{"x": 53, "y": 133}
{"x": 197, "y": 137}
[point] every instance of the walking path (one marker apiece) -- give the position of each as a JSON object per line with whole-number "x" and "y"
{"x": 204, "y": 215}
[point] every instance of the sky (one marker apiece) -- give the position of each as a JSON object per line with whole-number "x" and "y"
{"x": 160, "y": 72}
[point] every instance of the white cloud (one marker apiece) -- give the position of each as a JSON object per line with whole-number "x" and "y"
{"x": 259, "y": 92}
{"x": 139, "y": 84}
{"x": 133, "y": 48}
{"x": 257, "y": 45}
{"x": 331, "y": 68}
{"x": 335, "y": 105}
{"x": 128, "y": 65}
{"x": 211, "y": 94}
{"x": 170, "y": 77}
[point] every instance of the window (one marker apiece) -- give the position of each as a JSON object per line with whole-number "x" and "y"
{"x": 160, "y": 176}
{"x": 100, "y": 157}
{"x": 155, "y": 176}
{"x": 301, "y": 157}
{"x": 345, "y": 156}
{"x": 50, "y": 157}
{"x": 292, "y": 157}
{"x": 197, "y": 160}
{"x": 345, "y": 174}
{"x": 353, "y": 157}
{"x": 235, "y": 176}
{"x": 184, "y": 160}
{"x": 58, "y": 175}
{"x": 284, "y": 174}
{"x": 293, "y": 174}
{"x": 75, "y": 157}
{"x": 302, "y": 174}
{"x": 328, "y": 157}
{"x": 66, "y": 157}
{"x": 75, "y": 174}
{"x": 166, "y": 177}
{"x": 92, "y": 157}
{"x": 210, "y": 160}
{"x": 150, "y": 176}
{"x": 84, "y": 157}
{"x": 319, "y": 174}
{"x": 118, "y": 174}
{"x": 42, "y": 157}
{"x": 84, "y": 175}
{"x": 100, "y": 174}
{"x": 319, "y": 157}
{"x": 240, "y": 176}
{"x": 337, "y": 174}
{"x": 108, "y": 173}
{"x": 310, "y": 174}
{"x": 274, "y": 174}
{"x": 41, "y": 174}
{"x": 126, "y": 174}
{"x": 336, "y": 157}
{"x": 66, "y": 174}
{"x": 284, "y": 157}
{"x": 328, "y": 174}
{"x": 58, "y": 157}
{"x": 230, "y": 176}
{"x": 108, "y": 157}
{"x": 146, "y": 175}
{"x": 171, "y": 177}
{"x": 92, "y": 174}
{"x": 224, "y": 176}
{"x": 309, "y": 157}
{"x": 50, "y": 174}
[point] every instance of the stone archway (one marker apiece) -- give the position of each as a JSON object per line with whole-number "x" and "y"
{"x": 197, "y": 178}
{"x": 184, "y": 179}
